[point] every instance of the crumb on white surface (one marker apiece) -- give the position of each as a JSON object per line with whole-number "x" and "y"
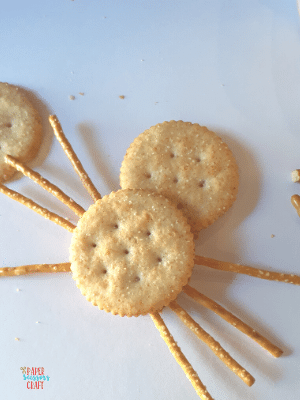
{"x": 122, "y": 97}
{"x": 296, "y": 175}
{"x": 71, "y": 97}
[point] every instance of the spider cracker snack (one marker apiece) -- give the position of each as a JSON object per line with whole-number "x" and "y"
{"x": 20, "y": 129}
{"x": 132, "y": 252}
{"x": 186, "y": 163}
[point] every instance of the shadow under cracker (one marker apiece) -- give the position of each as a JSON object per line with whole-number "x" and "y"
{"x": 98, "y": 156}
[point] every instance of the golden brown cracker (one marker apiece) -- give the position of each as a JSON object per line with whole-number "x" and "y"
{"x": 186, "y": 163}
{"x": 20, "y": 129}
{"x": 132, "y": 252}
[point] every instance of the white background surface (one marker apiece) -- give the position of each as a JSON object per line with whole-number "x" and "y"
{"x": 233, "y": 66}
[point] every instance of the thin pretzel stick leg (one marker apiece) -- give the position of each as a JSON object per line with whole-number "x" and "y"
{"x": 180, "y": 357}
{"x": 233, "y": 320}
{"x": 243, "y": 269}
{"x": 35, "y": 268}
{"x": 45, "y": 184}
{"x": 212, "y": 344}
{"x": 86, "y": 181}
{"x": 37, "y": 208}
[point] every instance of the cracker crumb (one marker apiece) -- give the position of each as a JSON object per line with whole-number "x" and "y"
{"x": 122, "y": 97}
{"x": 296, "y": 175}
{"x": 272, "y": 235}
{"x": 17, "y": 339}
{"x": 71, "y": 97}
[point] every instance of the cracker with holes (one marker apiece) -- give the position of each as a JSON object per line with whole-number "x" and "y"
{"x": 132, "y": 252}
{"x": 188, "y": 164}
{"x": 20, "y": 129}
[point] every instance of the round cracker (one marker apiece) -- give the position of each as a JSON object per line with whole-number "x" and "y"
{"x": 132, "y": 252}
{"x": 189, "y": 165}
{"x": 20, "y": 129}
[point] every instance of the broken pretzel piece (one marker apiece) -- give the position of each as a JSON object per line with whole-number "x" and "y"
{"x": 295, "y": 200}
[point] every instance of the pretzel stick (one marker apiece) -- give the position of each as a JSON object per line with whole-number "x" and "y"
{"x": 37, "y": 208}
{"x": 243, "y": 269}
{"x": 295, "y": 200}
{"x": 236, "y": 322}
{"x": 212, "y": 344}
{"x": 180, "y": 357}
{"x": 32, "y": 269}
{"x": 45, "y": 184}
{"x": 86, "y": 181}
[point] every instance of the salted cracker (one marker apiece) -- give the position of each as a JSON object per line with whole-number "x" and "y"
{"x": 186, "y": 163}
{"x": 132, "y": 252}
{"x": 20, "y": 129}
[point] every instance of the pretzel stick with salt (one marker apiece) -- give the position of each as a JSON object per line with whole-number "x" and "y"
{"x": 37, "y": 208}
{"x": 233, "y": 320}
{"x": 180, "y": 357}
{"x": 85, "y": 179}
{"x": 45, "y": 184}
{"x": 212, "y": 344}
{"x": 243, "y": 269}
{"x": 35, "y": 268}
